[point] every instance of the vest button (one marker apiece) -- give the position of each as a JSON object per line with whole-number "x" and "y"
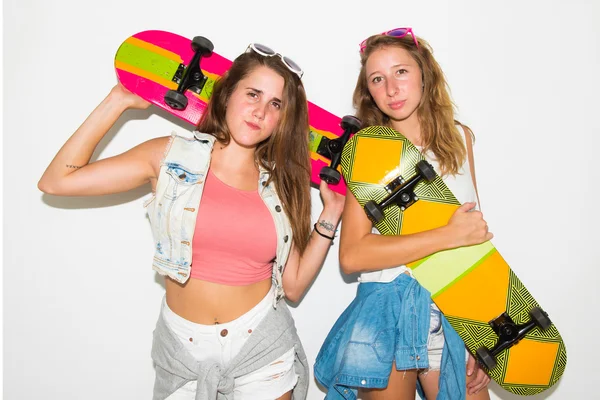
{"x": 224, "y": 332}
{"x": 277, "y": 208}
{"x": 285, "y": 238}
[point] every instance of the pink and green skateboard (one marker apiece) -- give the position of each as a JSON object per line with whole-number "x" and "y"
{"x": 178, "y": 75}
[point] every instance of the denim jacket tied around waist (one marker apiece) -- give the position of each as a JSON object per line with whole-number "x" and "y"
{"x": 173, "y": 208}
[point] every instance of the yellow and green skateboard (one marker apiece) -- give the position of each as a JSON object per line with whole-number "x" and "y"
{"x": 507, "y": 330}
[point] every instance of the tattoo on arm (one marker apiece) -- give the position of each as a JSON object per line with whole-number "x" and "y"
{"x": 327, "y": 225}
{"x": 73, "y": 166}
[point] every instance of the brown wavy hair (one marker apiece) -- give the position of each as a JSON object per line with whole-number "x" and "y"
{"x": 435, "y": 112}
{"x": 285, "y": 154}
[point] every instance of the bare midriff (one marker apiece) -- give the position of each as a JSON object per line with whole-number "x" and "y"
{"x": 208, "y": 303}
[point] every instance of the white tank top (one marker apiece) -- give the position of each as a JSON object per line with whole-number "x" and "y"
{"x": 461, "y": 185}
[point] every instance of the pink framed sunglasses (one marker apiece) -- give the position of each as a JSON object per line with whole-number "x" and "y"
{"x": 397, "y": 32}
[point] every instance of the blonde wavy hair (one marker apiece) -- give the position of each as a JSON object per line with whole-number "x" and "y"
{"x": 439, "y": 133}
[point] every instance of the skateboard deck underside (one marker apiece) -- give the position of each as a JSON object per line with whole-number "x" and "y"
{"x": 147, "y": 62}
{"x": 471, "y": 285}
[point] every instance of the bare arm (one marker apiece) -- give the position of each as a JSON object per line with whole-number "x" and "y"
{"x": 300, "y": 271}
{"x": 361, "y": 250}
{"x": 70, "y": 174}
{"x": 469, "y": 143}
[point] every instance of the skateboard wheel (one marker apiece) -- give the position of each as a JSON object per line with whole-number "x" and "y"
{"x": 373, "y": 211}
{"x": 540, "y": 318}
{"x": 202, "y": 44}
{"x": 486, "y": 358}
{"x": 330, "y": 175}
{"x": 351, "y": 123}
{"x": 176, "y": 100}
{"x": 426, "y": 170}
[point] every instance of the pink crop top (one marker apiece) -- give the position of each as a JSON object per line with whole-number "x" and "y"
{"x": 235, "y": 241}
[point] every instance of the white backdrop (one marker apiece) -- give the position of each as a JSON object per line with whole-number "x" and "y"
{"x": 80, "y": 298}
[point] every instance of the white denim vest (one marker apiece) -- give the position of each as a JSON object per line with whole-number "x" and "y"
{"x": 173, "y": 208}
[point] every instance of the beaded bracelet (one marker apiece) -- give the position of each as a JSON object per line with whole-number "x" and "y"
{"x": 325, "y": 236}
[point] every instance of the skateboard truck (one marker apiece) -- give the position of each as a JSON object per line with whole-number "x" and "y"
{"x": 190, "y": 77}
{"x": 510, "y": 334}
{"x": 332, "y": 149}
{"x": 401, "y": 192}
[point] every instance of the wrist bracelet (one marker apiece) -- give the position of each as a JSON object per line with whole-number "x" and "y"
{"x": 325, "y": 236}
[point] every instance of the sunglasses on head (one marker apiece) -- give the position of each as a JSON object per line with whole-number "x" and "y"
{"x": 397, "y": 32}
{"x": 268, "y": 52}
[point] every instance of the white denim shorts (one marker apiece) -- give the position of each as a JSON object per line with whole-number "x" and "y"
{"x": 435, "y": 341}
{"x": 222, "y": 342}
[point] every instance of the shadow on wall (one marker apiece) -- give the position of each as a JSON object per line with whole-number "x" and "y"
{"x": 79, "y": 202}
